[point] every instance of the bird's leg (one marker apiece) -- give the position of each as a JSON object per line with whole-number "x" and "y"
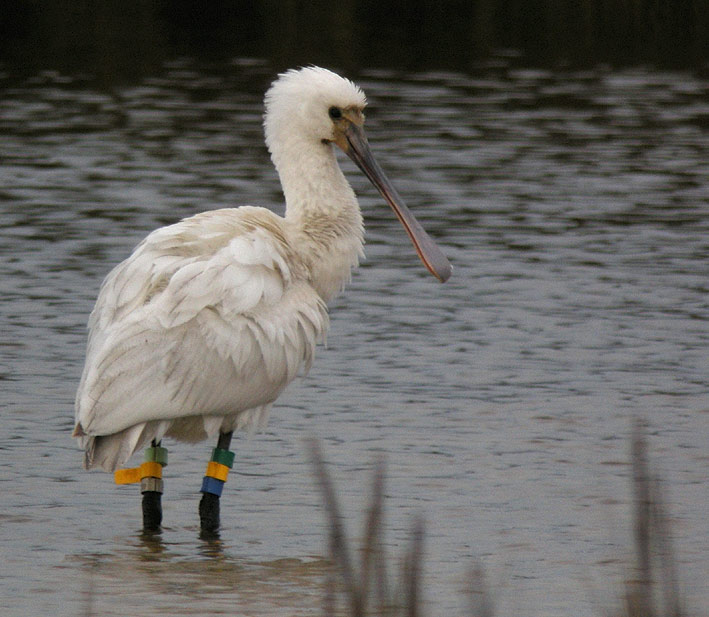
{"x": 151, "y": 488}
{"x": 212, "y": 484}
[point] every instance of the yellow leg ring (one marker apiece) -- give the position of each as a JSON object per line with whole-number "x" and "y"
{"x": 149, "y": 469}
{"x": 217, "y": 470}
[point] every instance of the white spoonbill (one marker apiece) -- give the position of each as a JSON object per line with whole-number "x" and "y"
{"x": 197, "y": 333}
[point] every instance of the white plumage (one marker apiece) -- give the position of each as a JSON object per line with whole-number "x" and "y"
{"x": 209, "y": 319}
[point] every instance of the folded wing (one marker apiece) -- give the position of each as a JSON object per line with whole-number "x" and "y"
{"x": 210, "y": 317}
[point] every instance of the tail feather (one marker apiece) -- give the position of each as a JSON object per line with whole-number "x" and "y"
{"x": 109, "y": 452}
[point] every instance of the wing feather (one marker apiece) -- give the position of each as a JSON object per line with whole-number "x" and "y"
{"x": 211, "y": 316}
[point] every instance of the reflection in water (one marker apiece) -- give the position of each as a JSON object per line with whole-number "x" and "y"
{"x": 140, "y": 572}
{"x": 151, "y": 542}
{"x": 212, "y": 545}
{"x": 573, "y": 206}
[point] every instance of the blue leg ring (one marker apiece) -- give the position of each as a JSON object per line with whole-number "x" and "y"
{"x": 212, "y": 485}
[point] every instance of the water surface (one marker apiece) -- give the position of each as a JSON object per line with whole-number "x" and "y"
{"x": 573, "y": 206}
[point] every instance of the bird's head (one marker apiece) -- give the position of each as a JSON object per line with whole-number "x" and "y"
{"x": 316, "y": 106}
{"x": 313, "y": 104}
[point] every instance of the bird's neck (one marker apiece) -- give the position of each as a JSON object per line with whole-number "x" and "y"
{"x": 322, "y": 211}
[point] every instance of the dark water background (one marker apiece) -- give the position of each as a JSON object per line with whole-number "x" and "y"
{"x": 122, "y": 40}
{"x": 573, "y": 203}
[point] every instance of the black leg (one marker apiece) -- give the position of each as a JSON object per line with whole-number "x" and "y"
{"x": 209, "y": 504}
{"x": 152, "y": 511}
{"x": 209, "y": 514}
{"x": 152, "y": 506}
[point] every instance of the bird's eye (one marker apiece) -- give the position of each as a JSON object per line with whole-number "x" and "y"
{"x": 335, "y": 113}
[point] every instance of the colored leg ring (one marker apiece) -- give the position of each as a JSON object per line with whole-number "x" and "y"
{"x": 156, "y": 454}
{"x": 224, "y": 457}
{"x": 148, "y": 469}
{"x": 155, "y": 460}
{"x": 153, "y": 485}
{"x": 217, "y": 470}
{"x": 212, "y": 485}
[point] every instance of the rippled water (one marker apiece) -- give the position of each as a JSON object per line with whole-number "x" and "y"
{"x": 574, "y": 207}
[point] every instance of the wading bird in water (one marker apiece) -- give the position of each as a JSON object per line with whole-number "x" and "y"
{"x": 197, "y": 333}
